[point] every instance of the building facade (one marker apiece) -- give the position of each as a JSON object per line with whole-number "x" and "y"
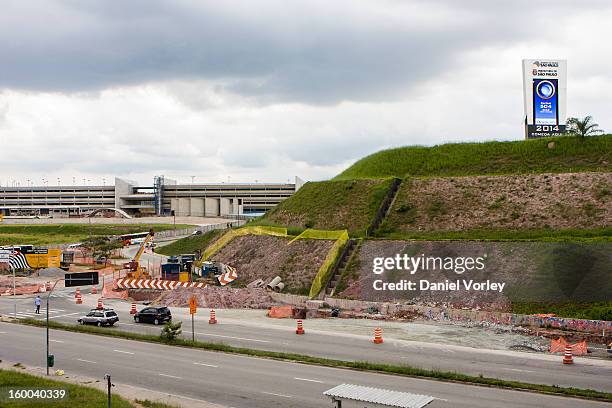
{"x": 165, "y": 197}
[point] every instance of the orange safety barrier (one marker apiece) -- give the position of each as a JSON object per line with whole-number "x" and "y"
{"x": 378, "y": 335}
{"x": 213, "y": 317}
{"x": 100, "y": 304}
{"x": 580, "y": 348}
{"x": 79, "y": 299}
{"x": 280, "y": 312}
{"x": 77, "y": 293}
{"x": 300, "y": 328}
{"x": 559, "y": 345}
{"x": 94, "y": 290}
{"x": 567, "y": 357}
{"x": 133, "y": 308}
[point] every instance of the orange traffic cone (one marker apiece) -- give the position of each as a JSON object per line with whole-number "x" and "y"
{"x": 77, "y": 293}
{"x": 213, "y": 317}
{"x": 48, "y": 286}
{"x": 79, "y": 299}
{"x": 300, "y": 328}
{"x": 94, "y": 290}
{"x": 133, "y": 308}
{"x": 100, "y": 305}
{"x": 378, "y": 335}
{"x": 567, "y": 357}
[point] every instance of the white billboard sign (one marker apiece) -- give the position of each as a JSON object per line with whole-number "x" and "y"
{"x": 545, "y": 97}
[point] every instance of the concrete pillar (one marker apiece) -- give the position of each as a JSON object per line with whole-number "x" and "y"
{"x": 211, "y": 207}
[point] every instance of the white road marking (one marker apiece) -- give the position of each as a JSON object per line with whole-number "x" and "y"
{"x": 276, "y": 395}
{"x": 232, "y": 337}
{"x": 124, "y": 352}
{"x": 86, "y": 361}
{"x": 56, "y": 341}
{"x": 520, "y": 371}
{"x": 307, "y": 379}
{"x": 2, "y": 332}
{"x": 440, "y": 399}
{"x": 206, "y": 365}
{"x": 170, "y": 376}
{"x": 64, "y": 315}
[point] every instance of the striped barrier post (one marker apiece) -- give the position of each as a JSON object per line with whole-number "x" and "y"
{"x": 567, "y": 357}
{"x": 133, "y": 308}
{"x": 213, "y": 317}
{"x": 300, "y": 328}
{"x": 79, "y": 299}
{"x": 378, "y": 335}
{"x": 100, "y": 305}
{"x": 94, "y": 290}
{"x": 77, "y": 293}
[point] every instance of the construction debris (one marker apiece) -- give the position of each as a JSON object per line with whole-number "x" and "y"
{"x": 218, "y": 297}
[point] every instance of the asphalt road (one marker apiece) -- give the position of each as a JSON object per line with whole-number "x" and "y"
{"x": 511, "y": 365}
{"x": 238, "y": 381}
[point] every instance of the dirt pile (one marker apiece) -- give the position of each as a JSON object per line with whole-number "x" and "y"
{"x": 217, "y": 297}
{"x": 532, "y": 201}
{"x": 264, "y": 257}
{"x": 530, "y": 271}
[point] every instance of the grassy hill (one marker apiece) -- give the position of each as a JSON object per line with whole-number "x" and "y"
{"x": 336, "y": 204}
{"x": 551, "y": 203}
{"x": 189, "y": 245}
{"x": 13, "y": 234}
{"x": 569, "y": 154}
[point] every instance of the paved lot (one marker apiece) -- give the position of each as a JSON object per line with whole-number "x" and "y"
{"x": 238, "y": 381}
{"x": 248, "y": 328}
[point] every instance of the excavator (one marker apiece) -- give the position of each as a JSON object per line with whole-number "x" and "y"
{"x": 135, "y": 271}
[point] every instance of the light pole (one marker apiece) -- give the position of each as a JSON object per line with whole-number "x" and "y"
{"x": 14, "y": 297}
{"x": 47, "y": 312}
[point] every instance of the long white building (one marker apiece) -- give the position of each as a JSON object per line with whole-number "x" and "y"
{"x": 165, "y": 197}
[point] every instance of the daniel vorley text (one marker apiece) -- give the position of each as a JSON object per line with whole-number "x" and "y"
{"x": 423, "y": 284}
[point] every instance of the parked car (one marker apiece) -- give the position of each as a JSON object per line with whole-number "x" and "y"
{"x": 155, "y": 315}
{"x": 196, "y": 232}
{"x": 105, "y": 317}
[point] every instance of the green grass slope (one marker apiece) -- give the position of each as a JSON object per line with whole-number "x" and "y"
{"x": 335, "y": 204}
{"x": 79, "y": 396}
{"x": 189, "y": 245}
{"x": 569, "y": 154}
{"x": 13, "y": 234}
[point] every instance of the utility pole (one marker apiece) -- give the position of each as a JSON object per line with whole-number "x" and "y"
{"x": 14, "y": 297}
{"x": 107, "y": 377}
{"x": 47, "y": 312}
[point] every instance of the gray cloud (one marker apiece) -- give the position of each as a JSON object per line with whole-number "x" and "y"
{"x": 312, "y": 52}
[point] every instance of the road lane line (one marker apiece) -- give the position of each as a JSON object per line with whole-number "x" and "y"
{"x": 520, "y": 371}
{"x": 56, "y": 341}
{"x": 231, "y": 337}
{"x": 307, "y": 379}
{"x": 206, "y": 365}
{"x": 86, "y": 361}
{"x": 64, "y": 315}
{"x": 170, "y": 376}
{"x": 124, "y": 352}
{"x": 276, "y": 395}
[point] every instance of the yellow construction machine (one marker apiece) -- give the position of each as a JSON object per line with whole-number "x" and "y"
{"x": 135, "y": 271}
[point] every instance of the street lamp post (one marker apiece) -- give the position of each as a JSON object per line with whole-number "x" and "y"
{"x": 47, "y": 312}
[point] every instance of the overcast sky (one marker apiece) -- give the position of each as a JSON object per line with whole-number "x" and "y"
{"x": 267, "y": 90}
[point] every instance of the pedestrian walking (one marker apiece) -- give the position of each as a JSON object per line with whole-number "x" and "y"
{"x": 37, "y": 303}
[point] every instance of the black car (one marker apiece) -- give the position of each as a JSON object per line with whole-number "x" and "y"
{"x": 155, "y": 315}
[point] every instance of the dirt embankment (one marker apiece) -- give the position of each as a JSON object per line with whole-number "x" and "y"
{"x": 264, "y": 257}
{"x": 534, "y": 201}
{"x": 216, "y": 297}
{"x": 531, "y": 271}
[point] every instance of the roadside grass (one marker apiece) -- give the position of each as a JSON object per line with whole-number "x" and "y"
{"x": 14, "y": 234}
{"x": 331, "y": 205}
{"x": 541, "y": 235}
{"x": 189, "y": 245}
{"x": 152, "y": 404}
{"x": 589, "y": 310}
{"x": 79, "y": 396}
{"x": 404, "y": 370}
{"x": 570, "y": 154}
